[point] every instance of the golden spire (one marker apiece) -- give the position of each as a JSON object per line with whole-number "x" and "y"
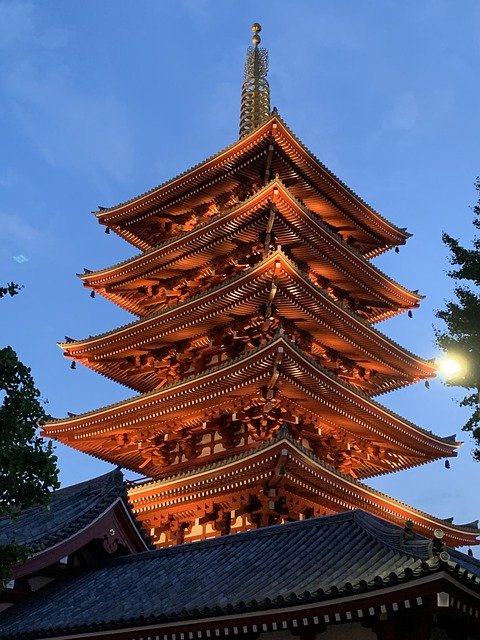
{"x": 255, "y": 90}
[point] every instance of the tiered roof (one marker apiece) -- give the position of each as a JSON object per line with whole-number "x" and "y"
{"x": 301, "y": 482}
{"x": 270, "y": 149}
{"x": 298, "y": 300}
{"x": 309, "y": 390}
{"x": 311, "y": 243}
{"x": 257, "y": 363}
{"x": 256, "y": 300}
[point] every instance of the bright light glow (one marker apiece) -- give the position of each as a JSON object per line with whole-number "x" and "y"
{"x": 449, "y": 366}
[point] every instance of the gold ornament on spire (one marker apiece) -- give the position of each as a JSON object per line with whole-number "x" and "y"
{"x": 255, "y": 89}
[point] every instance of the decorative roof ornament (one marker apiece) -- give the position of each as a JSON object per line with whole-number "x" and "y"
{"x": 255, "y": 107}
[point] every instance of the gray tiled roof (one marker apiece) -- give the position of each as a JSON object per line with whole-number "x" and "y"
{"x": 70, "y": 510}
{"x": 282, "y": 565}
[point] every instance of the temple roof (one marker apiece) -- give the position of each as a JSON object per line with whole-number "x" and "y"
{"x": 338, "y": 557}
{"x": 70, "y": 512}
{"x": 298, "y": 297}
{"x": 318, "y": 395}
{"x": 340, "y": 205}
{"x": 312, "y": 240}
{"x": 301, "y": 470}
{"x": 304, "y": 381}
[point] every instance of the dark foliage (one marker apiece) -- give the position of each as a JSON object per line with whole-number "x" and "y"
{"x": 28, "y": 470}
{"x": 11, "y": 289}
{"x": 462, "y": 320}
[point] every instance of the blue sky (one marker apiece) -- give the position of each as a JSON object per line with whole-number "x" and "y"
{"x": 100, "y": 101}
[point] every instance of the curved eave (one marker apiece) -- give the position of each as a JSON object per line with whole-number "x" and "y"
{"x": 145, "y": 383}
{"x": 299, "y": 373}
{"x": 173, "y": 249}
{"x": 339, "y": 193}
{"x": 116, "y": 514}
{"x": 185, "y": 181}
{"x": 346, "y": 252}
{"x": 346, "y": 327}
{"x": 147, "y": 496}
{"x": 311, "y": 229}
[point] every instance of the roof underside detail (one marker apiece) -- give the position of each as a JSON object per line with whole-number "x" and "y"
{"x": 290, "y": 481}
{"x": 270, "y": 381}
{"x": 150, "y": 281}
{"x": 299, "y": 306}
{"x": 271, "y": 146}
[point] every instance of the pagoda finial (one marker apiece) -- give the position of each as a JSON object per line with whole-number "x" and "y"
{"x": 255, "y": 90}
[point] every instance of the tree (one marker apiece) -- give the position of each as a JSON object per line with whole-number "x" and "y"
{"x": 28, "y": 470}
{"x": 462, "y": 318}
{"x": 11, "y": 289}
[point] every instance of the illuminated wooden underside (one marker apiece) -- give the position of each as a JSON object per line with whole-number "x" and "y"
{"x": 180, "y": 425}
{"x": 277, "y": 482}
{"x": 341, "y": 267}
{"x": 296, "y": 298}
{"x": 271, "y": 149}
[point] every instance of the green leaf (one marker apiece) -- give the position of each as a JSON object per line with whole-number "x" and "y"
{"x": 28, "y": 465}
{"x": 462, "y": 321}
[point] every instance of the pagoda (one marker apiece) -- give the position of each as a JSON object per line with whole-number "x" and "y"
{"x": 254, "y": 351}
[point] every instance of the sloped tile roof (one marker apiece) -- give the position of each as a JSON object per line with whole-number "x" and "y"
{"x": 284, "y": 565}
{"x": 70, "y": 510}
{"x": 335, "y": 183}
{"x": 283, "y": 436}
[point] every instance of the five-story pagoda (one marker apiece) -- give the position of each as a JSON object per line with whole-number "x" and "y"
{"x": 254, "y": 351}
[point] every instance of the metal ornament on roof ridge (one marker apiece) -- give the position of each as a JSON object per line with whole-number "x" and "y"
{"x": 255, "y": 108}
